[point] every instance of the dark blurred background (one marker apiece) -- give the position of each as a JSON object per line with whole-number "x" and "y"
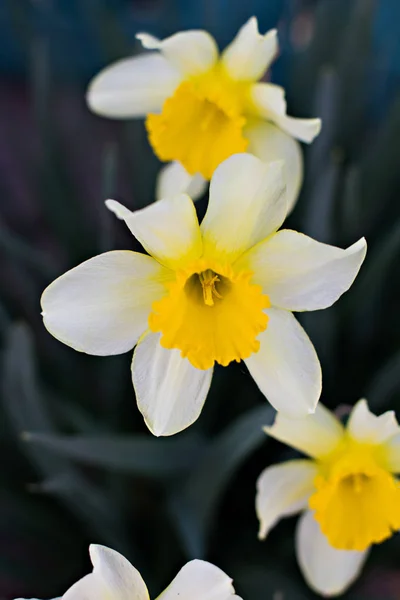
{"x": 77, "y": 463}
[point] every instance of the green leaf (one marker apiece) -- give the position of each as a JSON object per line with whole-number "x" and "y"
{"x": 24, "y": 405}
{"x": 194, "y": 504}
{"x": 140, "y": 454}
{"x": 385, "y": 384}
{"x": 22, "y": 399}
{"x": 272, "y": 582}
{"x": 364, "y": 303}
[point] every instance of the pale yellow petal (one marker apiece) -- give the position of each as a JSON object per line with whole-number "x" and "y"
{"x": 173, "y": 179}
{"x": 191, "y": 52}
{"x": 250, "y": 54}
{"x": 101, "y": 307}
{"x": 113, "y": 578}
{"x": 247, "y": 203}
{"x": 298, "y": 273}
{"x": 286, "y": 367}
{"x": 364, "y": 426}
{"x": 132, "y": 87}
{"x": 316, "y": 435}
{"x": 282, "y": 491}
{"x": 269, "y": 143}
{"x": 200, "y": 580}
{"x": 329, "y": 572}
{"x": 168, "y": 229}
{"x": 122, "y": 579}
{"x": 170, "y": 392}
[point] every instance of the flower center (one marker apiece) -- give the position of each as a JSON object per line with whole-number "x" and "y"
{"x": 211, "y": 314}
{"x": 209, "y": 280}
{"x": 357, "y": 501}
{"x": 201, "y": 124}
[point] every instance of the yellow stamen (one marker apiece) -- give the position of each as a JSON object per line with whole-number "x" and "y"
{"x": 357, "y": 501}
{"x": 211, "y": 314}
{"x": 208, "y": 279}
{"x": 202, "y": 123}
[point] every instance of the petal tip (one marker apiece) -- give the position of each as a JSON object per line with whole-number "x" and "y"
{"x": 119, "y": 210}
{"x": 148, "y": 41}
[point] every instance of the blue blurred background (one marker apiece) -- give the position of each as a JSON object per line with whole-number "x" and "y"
{"x": 77, "y": 463}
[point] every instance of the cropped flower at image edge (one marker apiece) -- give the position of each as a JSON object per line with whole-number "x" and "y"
{"x": 221, "y": 292}
{"x": 202, "y": 107}
{"x": 348, "y": 491}
{"x": 114, "y": 578}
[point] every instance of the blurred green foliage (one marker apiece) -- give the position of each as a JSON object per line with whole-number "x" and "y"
{"x": 78, "y": 464}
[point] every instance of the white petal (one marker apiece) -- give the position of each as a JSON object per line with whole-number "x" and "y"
{"x": 200, "y": 580}
{"x": 247, "y": 203}
{"x": 283, "y": 490}
{"x": 270, "y": 143}
{"x": 299, "y": 273}
{"x": 101, "y": 307}
{"x": 190, "y": 52}
{"x": 132, "y": 87}
{"x": 90, "y": 587}
{"x": 268, "y": 97}
{"x": 367, "y": 427}
{"x": 286, "y": 368}
{"x": 170, "y": 392}
{"x": 250, "y": 54}
{"x": 304, "y": 130}
{"x": 316, "y": 435}
{"x": 113, "y": 578}
{"x": 270, "y": 104}
{"x": 173, "y": 179}
{"x": 328, "y": 571}
{"x": 121, "y": 578}
{"x": 168, "y": 229}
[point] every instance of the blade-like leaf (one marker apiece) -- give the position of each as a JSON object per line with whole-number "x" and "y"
{"x": 24, "y": 405}
{"x": 138, "y": 454}
{"x": 384, "y": 384}
{"x": 193, "y": 505}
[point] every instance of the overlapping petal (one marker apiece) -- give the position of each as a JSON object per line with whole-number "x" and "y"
{"x": 113, "y": 578}
{"x": 317, "y": 435}
{"x": 283, "y": 490}
{"x": 200, "y": 580}
{"x": 392, "y": 453}
{"x": 267, "y": 97}
{"x": 328, "y": 571}
{"x": 305, "y": 130}
{"x": 299, "y": 273}
{"x": 168, "y": 229}
{"x": 170, "y": 392}
{"x": 269, "y": 143}
{"x": 364, "y": 426}
{"x": 173, "y": 179}
{"x": 250, "y": 54}
{"x": 191, "y": 52}
{"x": 268, "y": 102}
{"x": 286, "y": 368}
{"x": 101, "y": 307}
{"x": 89, "y": 587}
{"x": 247, "y": 203}
{"x": 133, "y": 87}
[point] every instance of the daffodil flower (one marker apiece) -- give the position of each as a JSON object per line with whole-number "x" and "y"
{"x": 201, "y": 106}
{"x": 347, "y": 489}
{"x": 221, "y": 292}
{"x": 114, "y": 578}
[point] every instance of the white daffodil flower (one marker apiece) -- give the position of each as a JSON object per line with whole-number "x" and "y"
{"x": 201, "y": 106}
{"x": 348, "y": 491}
{"x": 114, "y": 578}
{"x": 221, "y": 292}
